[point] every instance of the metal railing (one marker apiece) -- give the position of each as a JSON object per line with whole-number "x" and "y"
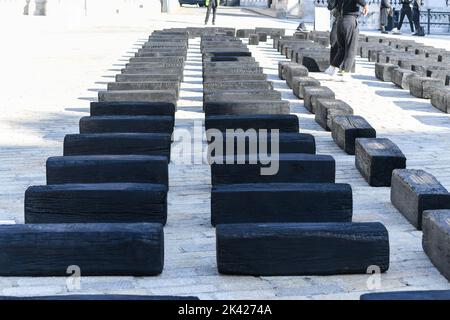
{"x": 434, "y": 18}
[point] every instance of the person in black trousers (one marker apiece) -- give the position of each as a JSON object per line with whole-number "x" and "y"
{"x": 406, "y": 11}
{"x": 335, "y": 12}
{"x": 347, "y": 35}
{"x": 385, "y": 11}
{"x": 211, "y": 4}
{"x": 416, "y": 18}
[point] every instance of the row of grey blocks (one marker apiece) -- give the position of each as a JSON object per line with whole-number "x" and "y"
{"x": 260, "y": 220}
{"x": 105, "y": 202}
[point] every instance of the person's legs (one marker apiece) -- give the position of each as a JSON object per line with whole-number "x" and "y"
{"x": 416, "y": 19}
{"x": 410, "y": 18}
{"x": 350, "y": 34}
{"x": 208, "y": 12}
{"x": 402, "y": 17}
{"x": 333, "y": 41}
{"x": 214, "y": 8}
{"x": 340, "y": 45}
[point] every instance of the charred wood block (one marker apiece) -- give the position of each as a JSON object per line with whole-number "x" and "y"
{"x": 95, "y": 297}
{"x": 148, "y": 77}
{"x": 408, "y": 295}
{"x": 247, "y": 142}
{"x": 376, "y": 158}
{"x": 238, "y": 85}
{"x": 127, "y": 124}
{"x": 145, "y": 85}
{"x": 383, "y": 71}
{"x": 291, "y": 168}
{"x": 282, "y": 249}
{"x": 97, "y": 249}
{"x": 311, "y": 94}
{"x": 346, "y": 129}
{"x": 282, "y": 122}
{"x": 96, "y": 203}
{"x": 241, "y": 95}
{"x": 151, "y": 144}
{"x": 436, "y": 239}
{"x": 414, "y": 191}
{"x": 244, "y": 33}
{"x": 132, "y": 109}
{"x": 107, "y": 169}
{"x": 327, "y": 109}
{"x": 315, "y": 62}
{"x": 293, "y": 202}
{"x": 247, "y": 107}
{"x": 440, "y": 98}
{"x": 299, "y": 83}
{"x": 420, "y": 87}
{"x": 291, "y": 71}
{"x": 400, "y": 77}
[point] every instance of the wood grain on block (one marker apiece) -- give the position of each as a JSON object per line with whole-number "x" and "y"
{"x": 238, "y": 85}
{"x": 400, "y": 77}
{"x": 291, "y": 71}
{"x": 138, "y": 95}
{"x": 376, "y": 158}
{"x": 327, "y": 109}
{"x": 127, "y": 124}
{"x": 311, "y": 94}
{"x": 346, "y": 129}
{"x": 414, "y": 191}
{"x": 292, "y": 168}
{"x": 241, "y": 95}
{"x": 436, "y": 239}
{"x": 440, "y": 98}
{"x": 249, "y": 107}
{"x": 234, "y": 70}
{"x": 228, "y": 64}
{"x": 281, "y": 66}
{"x": 420, "y": 86}
{"x": 133, "y": 109}
{"x": 147, "y": 77}
{"x": 408, "y": 295}
{"x": 282, "y": 122}
{"x": 97, "y": 297}
{"x": 235, "y": 77}
{"x": 107, "y": 169}
{"x": 151, "y": 144}
{"x": 242, "y": 142}
{"x": 299, "y": 83}
{"x": 279, "y": 202}
{"x": 96, "y": 203}
{"x": 147, "y": 85}
{"x": 157, "y": 60}
{"x": 45, "y": 250}
{"x": 253, "y": 40}
{"x": 383, "y": 71}
{"x": 283, "y": 249}
{"x": 315, "y": 62}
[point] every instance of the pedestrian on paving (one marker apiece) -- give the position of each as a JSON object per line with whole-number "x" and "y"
{"x": 333, "y": 35}
{"x": 347, "y": 37}
{"x": 406, "y": 11}
{"x": 416, "y": 18}
{"x": 211, "y": 5}
{"x": 385, "y": 12}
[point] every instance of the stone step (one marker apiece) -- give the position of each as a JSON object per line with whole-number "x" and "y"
{"x": 283, "y": 122}
{"x": 127, "y": 124}
{"x": 272, "y": 203}
{"x": 347, "y": 128}
{"x": 251, "y": 106}
{"x": 132, "y": 109}
{"x": 284, "y": 249}
{"x": 46, "y": 250}
{"x": 148, "y": 77}
{"x": 327, "y": 109}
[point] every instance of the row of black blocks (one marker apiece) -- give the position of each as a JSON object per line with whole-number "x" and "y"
{"x": 105, "y": 202}
{"x": 418, "y": 195}
{"x": 295, "y": 222}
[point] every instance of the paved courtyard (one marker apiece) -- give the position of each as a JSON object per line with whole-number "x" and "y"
{"x": 51, "y": 74}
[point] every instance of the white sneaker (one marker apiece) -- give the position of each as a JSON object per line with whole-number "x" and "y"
{"x": 331, "y": 71}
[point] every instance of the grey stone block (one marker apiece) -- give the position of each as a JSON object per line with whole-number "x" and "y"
{"x": 383, "y": 71}
{"x": 440, "y": 98}
{"x": 327, "y": 109}
{"x": 420, "y": 87}
{"x": 299, "y": 83}
{"x": 400, "y": 77}
{"x": 376, "y": 158}
{"x": 311, "y": 94}
{"x": 291, "y": 71}
{"x": 235, "y": 77}
{"x": 347, "y": 128}
{"x": 414, "y": 191}
{"x": 238, "y": 85}
{"x": 436, "y": 239}
{"x": 147, "y": 77}
{"x": 242, "y": 107}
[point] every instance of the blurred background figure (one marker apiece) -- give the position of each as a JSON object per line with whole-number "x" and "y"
{"x": 385, "y": 12}
{"x": 211, "y": 5}
{"x": 335, "y": 13}
{"x": 416, "y": 18}
{"x": 406, "y": 11}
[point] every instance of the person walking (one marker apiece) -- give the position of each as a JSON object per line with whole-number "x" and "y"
{"x": 416, "y": 18}
{"x": 347, "y": 36}
{"x": 333, "y": 36}
{"x": 385, "y": 12}
{"x": 406, "y": 11}
{"x": 211, "y": 5}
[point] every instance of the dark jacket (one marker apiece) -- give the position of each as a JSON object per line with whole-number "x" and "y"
{"x": 406, "y": 3}
{"x": 350, "y": 7}
{"x": 385, "y": 7}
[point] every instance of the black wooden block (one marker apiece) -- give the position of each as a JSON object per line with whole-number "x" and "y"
{"x": 436, "y": 239}
{"x": 97, "y": 297}
{"x": 408, "y": 295}
{"x": 96, "y": 203}
{"x": 346, "y": 129}
{"x": 132, "y": 109}
{"x": 292, "y": 168}
{"x": 376, "y": 158}
{"x": 283, "y": 249}
{"x": 279, "y": 202}
{"x": 311, "y": 94}
{"x": 127, "y": 124}
{"x": 151, "y": 144}
{"x": 414, "y": 191}
{"x": 107, "y": 169}
{"x": 115, "y": 249}
{"x": 327, "y": 109}
{"x": 282, "y": 122}
{"x": 244, "y": 143}
{"x": 246, "y": 107}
